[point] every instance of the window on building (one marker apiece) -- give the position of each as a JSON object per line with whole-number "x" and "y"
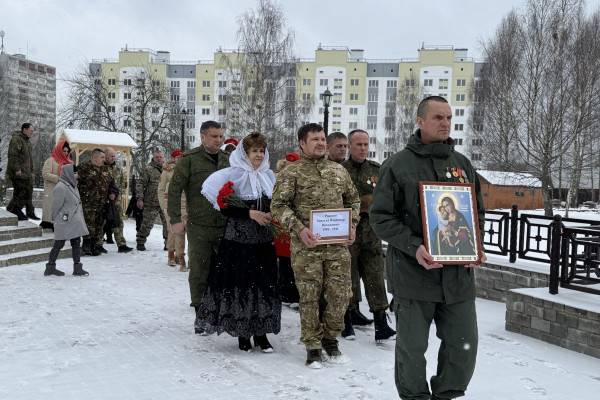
{"x": 459, "y": 127}
{"x": 478, "y": 127}
{"x": 458, "y": 141}
{"x": 190, "y": 123}
{"x": 354, "y": 82}
{"x": 205, "y": 83}
{"x": 191, "y": 84}
{"x": 127, "y": 123}
{"x": 174, "y": 84}
{"x": 352, "y": 125}
{"x": 373, "y": 83}
{"x": 155, "y": 110}
{"x": 206, "y": 111}
{"x": 323, "y": 82}
{"x": 155, "y": 124}
{"x": 372, "y": 125}
{"x": 306, "y": 82}
{"x": 111, "y": 109}
{"x": 127, "y": 109}
{"x": 127, "y": 96}
{"x": 222, "y": 111}
{"x": 353, "y": 96}
{"x": 223, "y": 97}
{"x": 428, "y": 82}
{"x": 459, "y": 112}
{"x": 353, "y": 110}
{"x": 222, "y": 84}
{"x": 155, "y": 83}
{"x": 372, "y": 111}
{"x": 460, "y": 97}
{"x": 392, "y": 84}
{"x": 372, "y": 140}
{"x": 306, "y": 96}
{"x": 112, "y": 95}
{"x": 443, "y": 84}
{"x": 461, "y": 82}
{"x": 409, "y": 82}
{"x": 174, "y": 97}
{"x": 206, "y": 97}
{"x": 477, "y": 142}
{"x": 126, "y": 82}
{"x": 373, "y": 96}
{"x": 387, "y": 154}
{"x": 372, "y": 154}
{"x": 112, "y": 82}
{"x": 390, "y": 96}
{"x": 191, "y": 97}
{"x": 476, "y": 157}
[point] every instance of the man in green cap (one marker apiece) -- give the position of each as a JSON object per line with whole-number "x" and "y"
{"x": 424, "y": 290}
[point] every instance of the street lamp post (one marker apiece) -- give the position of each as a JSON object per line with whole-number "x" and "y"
{"x": 326, "y": 102}
{"x": 183, "y": 114}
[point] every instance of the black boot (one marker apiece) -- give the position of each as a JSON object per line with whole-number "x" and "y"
{"x": 382, "y": 329}
{"x": 18, "y": 212}
{"x": 140, "y": 247}
{"x": 94, "y": 248}
{"x": 101, "y": 249}
{"x": 358, "y": 319}
{"x": 31, "y": 215}
{"x": 198, "y": 330}
{"x": 79, "y": 271}
{"x": 51, "y": 270}
{"x": 334, "y": 355}
{"x": 244, "y": 344}
{"x": 109, "y": 238}
{"x": 124, "y": 249}
{"x": 348, "y": 332}
{"x": 46, "y": 225}
{"x": 86, "y": 247}
{"x": 262, "y": 342}
{"x": 314, "y": 358}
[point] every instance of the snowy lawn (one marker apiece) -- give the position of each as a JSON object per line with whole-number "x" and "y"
{"x": 125, "y": 332}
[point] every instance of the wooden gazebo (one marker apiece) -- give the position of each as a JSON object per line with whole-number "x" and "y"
{"x": 81, "y": 140}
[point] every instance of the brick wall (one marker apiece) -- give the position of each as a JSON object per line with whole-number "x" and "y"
{"x": 493, "y": 281}
{"x": 573, "y": 328}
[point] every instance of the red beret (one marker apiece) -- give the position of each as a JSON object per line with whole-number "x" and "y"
{"x": 232, "y": 141}
{"x": 291, "y": 157}
{"x": 176, "y": 153}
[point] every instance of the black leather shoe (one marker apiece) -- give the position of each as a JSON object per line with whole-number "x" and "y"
{"x": 140, "y": 247}
{"x": 124, "y": 249}
{"x": 244, "y": 344}
{"x": 262, "y": 342}
{"x": 33, "y": 217}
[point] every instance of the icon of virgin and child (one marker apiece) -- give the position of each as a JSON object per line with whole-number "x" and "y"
{"x": 453, "y": 234}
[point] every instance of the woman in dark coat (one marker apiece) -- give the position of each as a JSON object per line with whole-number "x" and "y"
{"x": 242, "y": 298}
{"x": 69, "y": 223}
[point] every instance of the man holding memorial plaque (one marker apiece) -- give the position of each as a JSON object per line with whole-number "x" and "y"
{"x": 315, "y": 200}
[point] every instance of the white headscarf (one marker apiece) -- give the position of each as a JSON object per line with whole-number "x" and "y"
{"x": 248, "y": 183}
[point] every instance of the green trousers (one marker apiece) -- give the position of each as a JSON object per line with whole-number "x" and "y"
{"x": 203, "y": 244}
{"x": 456, "y": 326}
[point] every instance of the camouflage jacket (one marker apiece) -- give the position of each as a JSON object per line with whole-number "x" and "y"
{"x": 147, "y": 185}
{"x": 93, "y": 183}
{"x": 364, "y": 176}
{"x": 311, "y": 184}
{"x": 118, "y": 177}
{"x": 190, "y": 173}
{"x": 19, "y": 157}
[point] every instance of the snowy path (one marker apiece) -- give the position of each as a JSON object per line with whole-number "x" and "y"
{"x": 125, "y": 332}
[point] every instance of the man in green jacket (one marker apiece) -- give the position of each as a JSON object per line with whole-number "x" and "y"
{"x": 19, "y": 170}
{"x": 147, "y": 193}
{"x": 366, "y": 252}
{"x": 424, "y": 290}
{"x": 205, "y": 224}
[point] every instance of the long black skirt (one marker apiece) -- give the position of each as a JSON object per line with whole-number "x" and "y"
{"x": 242, "y": 298}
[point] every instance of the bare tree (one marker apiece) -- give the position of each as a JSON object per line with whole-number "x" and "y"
{"x": 263, "y": 75}
{"x": 147, "y": 112}
{"x": 400, "y": 120}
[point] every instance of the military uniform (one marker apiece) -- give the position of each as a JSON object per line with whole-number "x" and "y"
{"x": 147, "y": 190}
{"x": 444, "y": 295}
{"x": 366, "y": 252}
{"x": 119, "y": 181}
{"x": 93, "y": 184}
{"x": 19, "y": 160}
{"x": 205, "y": 224}
{"x": 310, "y": 184}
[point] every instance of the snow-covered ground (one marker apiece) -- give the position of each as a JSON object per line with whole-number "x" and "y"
{"x": 125, "y": 332}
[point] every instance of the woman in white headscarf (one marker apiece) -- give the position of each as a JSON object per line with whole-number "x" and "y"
{"x": 242, "y": 298}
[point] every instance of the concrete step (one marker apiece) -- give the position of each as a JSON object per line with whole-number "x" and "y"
{"x": 7, "y": 218}
{"x": 24, "y": 229}
{"x": 27, "y": 243}
{"x": 31, "y": 256}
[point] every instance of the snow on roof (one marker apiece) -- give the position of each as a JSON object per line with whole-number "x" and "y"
{"x": 101, "y": 138}
{"x": 502, "y": 178}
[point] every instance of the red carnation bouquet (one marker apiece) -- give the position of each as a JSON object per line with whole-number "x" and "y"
{"x": 226, "y": 197}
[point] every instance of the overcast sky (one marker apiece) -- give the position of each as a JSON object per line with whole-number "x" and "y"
{"x": 69, "y": 33}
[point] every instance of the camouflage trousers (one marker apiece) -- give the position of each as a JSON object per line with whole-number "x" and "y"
{"x": 22, "y": 194}
{"x": 175, "y": 241}
{"x": 367, "y": 264}
{"x": 94, "y": 219}
{"x": 118, "y": 228}
{"x": 150, "y": 214}
{"x": 324, "y": 270}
